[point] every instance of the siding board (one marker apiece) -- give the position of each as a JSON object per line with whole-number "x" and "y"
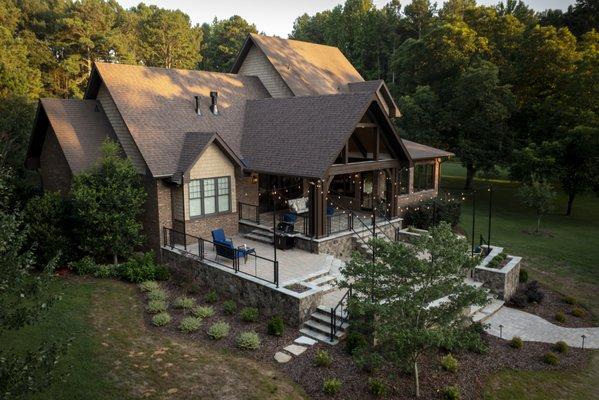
{"x": 256, "y": 64}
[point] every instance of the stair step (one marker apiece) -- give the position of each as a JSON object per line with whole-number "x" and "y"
{"x": 326, "y": 319}
{"x": 320, "y": 281}
{"x": 327, "y": 311}
{"x": 325, "y": 329}
{"x": 263, "y": 232}
{"x": 259, "y": 238}
{"x": 488, "y": 311}
{"x": 318, "y": 336}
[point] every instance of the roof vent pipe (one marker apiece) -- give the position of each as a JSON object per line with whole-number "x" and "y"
{"x": 214, "y": 105}
{"x": 197, "y": 99}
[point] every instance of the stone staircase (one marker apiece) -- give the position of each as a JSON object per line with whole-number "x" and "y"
{"x": 261, "y": 235}
{"x": 318, "y": 326}
{"x": 482, "y": 313}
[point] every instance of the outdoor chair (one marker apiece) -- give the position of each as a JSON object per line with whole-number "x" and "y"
{"x": 224, "y": 247}
{"x": 218, "y": 235}
{"x": 288, "y": 223}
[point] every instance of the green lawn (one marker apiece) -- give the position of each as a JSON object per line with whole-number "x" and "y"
{"x": 565, "y": 259}
{"x": 114, "y": 355}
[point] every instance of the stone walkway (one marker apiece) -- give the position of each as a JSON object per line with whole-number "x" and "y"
{"x": 532, "y": 328}
{"x": 295, "y": 349}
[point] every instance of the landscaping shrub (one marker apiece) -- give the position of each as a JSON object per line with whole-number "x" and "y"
{"x": 211, "y": 297}
{"x": 550, "y": 358}
{"x": 354, "y": 341}
{"x": 156, "y": 306}
{"x": 570, "y": 300}
{"x": 497, "y": 260}
{"x": 449, "y": 363}
{"x": 157, "y": 294}
{"x": 85, "y": 266}
{"x": 561, "y": 347}
{"x": 322, "y": 358}
{"x": 451, "y": 393}
{"x": 248, "y": 341}
{"x": 516, "y": 342}
{"x": 148, "y": 286}
{"x": 106, "y": 271}
{"x": 519, "y": 299}
{"x": 194, "y": 288}
{"x": 141, "y": 267}
{"x": 203, "y": 312}
{"x": 331, "y": 386}
{"x": 218, "y": 330}
{"x": 534, "y": 293}
{"x": 437, "y": 209}
{"x": 229, "y": 307}
{"x": 190, "y": 324}
{"x": 161, "y": 319}
{"x": 560, "y": 316}
{"x": 184, "y": 303}
{"x": 376, "y": 387}
{"x": 276, "y": 326}
{"x": 162, "y": 273}
{"x": 523, "y": 276}
{"x": 577, "y": 312}
{"x": 367, "y": 359}
{"x": 249, "y": 314}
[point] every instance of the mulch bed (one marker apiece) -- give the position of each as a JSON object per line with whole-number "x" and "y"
{"x": 472, "y": 373}
{"x": 552, "y": 303}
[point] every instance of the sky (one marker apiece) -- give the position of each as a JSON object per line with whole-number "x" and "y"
{"x": 275, "y": 17}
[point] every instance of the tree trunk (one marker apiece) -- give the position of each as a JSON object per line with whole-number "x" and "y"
{"x": 416, "y": 381}
{"x": 470, "y": 171}
{"x": 538, "y": 222}
{"x": 115, "y": 259}
{"x": 570, "y": 201}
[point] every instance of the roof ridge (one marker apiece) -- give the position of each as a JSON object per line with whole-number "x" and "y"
{"x": 295, "y": 40}
{"x": 174, "y": 69}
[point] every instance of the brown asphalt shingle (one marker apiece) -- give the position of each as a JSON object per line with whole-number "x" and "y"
{"x": 422, "y": 152}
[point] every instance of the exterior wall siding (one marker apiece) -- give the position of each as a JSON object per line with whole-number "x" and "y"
{"x": 120, "y": 129}
{"x": 54, "y": 170}
{"x": 157, "y": 212}
{"x": 256, "y": 64}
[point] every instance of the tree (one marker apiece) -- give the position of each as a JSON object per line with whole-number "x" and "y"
{"x": 107, "y": 202}
{"x": 422, "y": 115}
{"x": 400, "y": 292}
{"x": 24, "y": 299}
{"x": 420, "y": 15}
{"x": 538, "y": 195}
{"x": 222, "y": 41}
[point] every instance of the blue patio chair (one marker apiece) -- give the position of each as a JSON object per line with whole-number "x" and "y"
{"x": 330, "y": 211}
{"x": 218, "y": 236}
{"x": 224, "y": 247}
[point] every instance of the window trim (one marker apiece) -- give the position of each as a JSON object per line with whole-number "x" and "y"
{"x": 216, "y": 195}
{"x": 433, "y": 176}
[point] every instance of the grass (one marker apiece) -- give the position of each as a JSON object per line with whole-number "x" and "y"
{"x": 564, "y": 258}
{"x": 114, "y": 354}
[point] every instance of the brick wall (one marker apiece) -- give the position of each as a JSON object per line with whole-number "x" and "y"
{"x": 203, "y": 227}
{"x": 54, "y": 169}
{"x": 157, "y": 211}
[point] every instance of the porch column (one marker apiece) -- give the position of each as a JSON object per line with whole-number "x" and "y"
{"x": 318, "y": 207}
{"x": 394, "y": 175}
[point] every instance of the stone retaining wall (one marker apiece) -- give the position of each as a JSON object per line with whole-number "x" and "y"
{"x": 502, "y": 281}
{"x": 293, "y": 307}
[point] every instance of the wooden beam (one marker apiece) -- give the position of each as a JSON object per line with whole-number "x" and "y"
{"x": 360, "y": 145}
{"x": 366, "y": 125}
{"x": 362, "y": 166}
{"x": 346, "y": 152}
{"x": 377, "y": 143}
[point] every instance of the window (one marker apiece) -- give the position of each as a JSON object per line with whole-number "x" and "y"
{"x": 424, "y": 177}
{"x": 404, "y": 181}
{"x": 209, "y": 196}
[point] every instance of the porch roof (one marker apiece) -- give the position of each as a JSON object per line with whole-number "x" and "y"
{"x": 422, "y": 152}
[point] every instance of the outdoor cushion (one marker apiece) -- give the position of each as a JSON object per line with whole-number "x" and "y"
{"x": 218, "y": 236}
{"x": 290, "y": 218}
{"x": 330, "y": 210}
{"x": 299, "y": 205}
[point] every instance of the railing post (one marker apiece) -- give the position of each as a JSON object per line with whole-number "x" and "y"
{"x": 185, "y": 241}
{"x": 276, "y": 272}
{"x": 164, "y": 242}
{"x": 333, "y": 324}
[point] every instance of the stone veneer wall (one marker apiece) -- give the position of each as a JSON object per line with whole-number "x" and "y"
{"x": 502, "y": 281}
{"x": 293, "y": 307}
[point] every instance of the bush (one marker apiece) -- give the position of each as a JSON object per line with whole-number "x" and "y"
{"x": 523, "y": 276}
{"x": 203, "y": 312}
{"x": 194, "y": 289}
{"x": 218, "y": 330}
{"x": 367, "y": 359}
{"x": 157, "y": 294}
{"x": 322, "y": 358}
{"x": 534, "y": 294}
{"x": 248, "y": 341}
{"x": 184, "y": 303}
{"x": 437, "y": 209}
{"x": 211, "y": 297}
{"x": 577, "y": 312}
{"x": 570, "y": 300}
{"x": 354, "y": 341}
{"x": 560, "y": 317}
{"x": 276, "y": 326}
{"x": 451, "y": 393}
{"x": 148, "y": 286}
{"x": 161, "y": 319}
{"x": 229, "y": 307}
{"x": 85, "y": 266}
{"x": 162, "y": 273}
{"x": 331, "y": 386}
{"x": 376, "y": 387}
{"x": 156, "y": 306}
{"x": 249, "y": 314}
{"x": 516, "y": 342}
{"x": 519, "y": 299}
{"x": 106, "y": 271}
{"x": 141, "y": 267}
{"x": 550, "y": 358}
{"x": 449, "y": 363}
{"x": 190, "y": 324}
{"x": 561, "y": 347}
{"x": 497, "y": 260}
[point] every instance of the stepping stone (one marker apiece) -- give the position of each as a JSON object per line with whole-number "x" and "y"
{"x": 295, "y": 349}
{"x": 305, "y": 340}
{"x": 282, "y": 357}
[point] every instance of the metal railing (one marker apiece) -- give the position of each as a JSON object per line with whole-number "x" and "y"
{"x": 342, "y": 306}
{"x": 248, "y": 212}
{"x": 303, "y": 220}
{"x": 339, "y": 222}
{"x": 384, "y": 215}
{"x": 264, "y": 269}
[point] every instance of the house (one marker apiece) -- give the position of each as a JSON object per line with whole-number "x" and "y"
{"x": 293, "y": 125}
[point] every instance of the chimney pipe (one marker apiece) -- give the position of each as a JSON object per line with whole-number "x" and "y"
{"x": 214, "y": 105}
{"x": 197, "y": 99}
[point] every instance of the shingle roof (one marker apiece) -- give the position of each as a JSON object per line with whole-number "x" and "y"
{"x": 422, "y": 152}
{"x": 300, "y": 136}
{"x": 80, "y": 128}
{"x": 307, "y": 68}
{"x": 193, "y": 144}
{"x": 157, "y": 105}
